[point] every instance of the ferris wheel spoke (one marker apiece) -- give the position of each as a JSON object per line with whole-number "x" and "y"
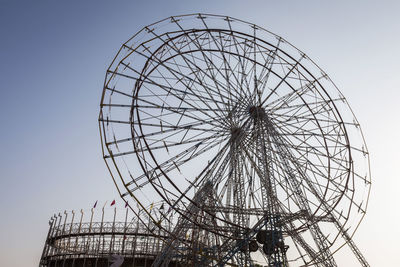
{"x": 318, "y": 192}
{"x": 219, "y": 88}
{"x": 246, "y": 71}
{"x": 193, "y": 71}
{"x": 282, "y": 80}
{"x": 285, "y": 106}
{"x": 302, "y": 111}
{"x": 174, "y": 162}
{"x": 171, "y": 128}
{"x": 232, "y": 69}
{"x": 296, "y": 148}
{"x": 255, "y": 79}
{"x": 303, "y": 145}
{"x": 300, "y": 171}
{"x": 166, "y": 128}
{"x": 210, "y": 67}
{"x": 210, "y": 62}
{"x": 212, "y": 93}
{"x": 156, "y": 106}
{"x": 332, "y": 131}
{"x": 206, "y": 101}
{"x": 331, "y": 127}
{"x": 286, "y": 161}
{"x": 283, "y": 101}
{"x": 166, "y": 117}
{"x": 316, "y": 168}
{"x": 228, "y": 71}
{"x": 169, "y": 88}
{"x": 320, "y": 106}
{"x": 214, "y": 166}
{"x": 168, "y": 145}
{"x": 188, "y": 93}
{"x": 241, "y": 71}
{"x": 168, "y": 135}
{"x": 309, "y": 147}
{"x": 268, "y": 65}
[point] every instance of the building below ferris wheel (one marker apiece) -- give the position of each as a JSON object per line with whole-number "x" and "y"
{"x": 105, "y": 237}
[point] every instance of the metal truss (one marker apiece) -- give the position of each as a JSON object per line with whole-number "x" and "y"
{"x": 204, "y": 101}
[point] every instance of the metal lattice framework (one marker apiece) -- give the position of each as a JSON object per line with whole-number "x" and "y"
{"x": 93, "y": 238}
{"x": 241, "y": 134}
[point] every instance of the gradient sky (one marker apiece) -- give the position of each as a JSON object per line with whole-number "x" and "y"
{"x": 53, "y": 58}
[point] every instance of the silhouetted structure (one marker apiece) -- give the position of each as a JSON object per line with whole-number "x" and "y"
{"x": 79, "y": 239}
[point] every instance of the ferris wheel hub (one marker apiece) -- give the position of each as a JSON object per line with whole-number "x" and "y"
{"x": 257, "y": 112}
{"x": 235, "y": 132}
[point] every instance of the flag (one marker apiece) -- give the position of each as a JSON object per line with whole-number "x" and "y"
{"x": 162, "y": 206}
{"x": 112, "y": 203}
{"x": 95, "y": 204}
{"x": 126, "y": 204}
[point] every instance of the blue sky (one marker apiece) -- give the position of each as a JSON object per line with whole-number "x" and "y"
{"x": 53, "y": 59}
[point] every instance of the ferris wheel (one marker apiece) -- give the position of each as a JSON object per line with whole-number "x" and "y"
{"x": 242, "y": 136}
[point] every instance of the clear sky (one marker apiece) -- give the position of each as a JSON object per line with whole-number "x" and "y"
{"x": 53, "y": 59}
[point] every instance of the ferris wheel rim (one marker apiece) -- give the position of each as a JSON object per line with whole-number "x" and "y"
{"x": 344, "y": 126}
